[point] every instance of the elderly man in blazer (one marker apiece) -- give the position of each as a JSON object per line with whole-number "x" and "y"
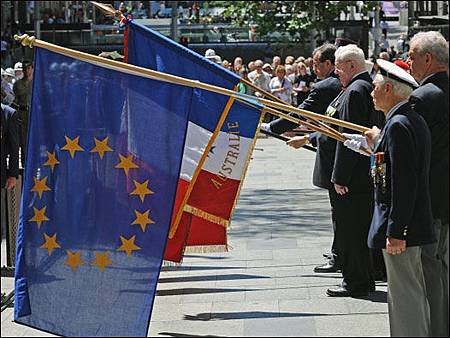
{"x": 402, "y": 219}
{"x": 352, "y": 188}
{"x": 428, "y": 60}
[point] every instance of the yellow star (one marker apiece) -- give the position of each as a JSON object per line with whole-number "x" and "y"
{"x": 141, "y": 190}
{"x": 102, "y": 260}
{"x": 51, "y": 161}
{"x": 126, "y": 163}
{"x": 40, "y": 186}
{"x": 142, "y": 219}
{"x": 50, "y": 243}
{"x": 72, "y": 145}
{"x": 101, "y": 147}
{"x": 74, "y": 260}
{"x": 39, "y": 216}
{"x": 128, "y": 245}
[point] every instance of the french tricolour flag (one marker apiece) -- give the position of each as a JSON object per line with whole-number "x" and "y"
{"x": 210, "y": 204}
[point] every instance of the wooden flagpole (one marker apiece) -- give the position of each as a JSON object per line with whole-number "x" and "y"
{"x": 152, "y": 74}
{"x": 320, "y": 126}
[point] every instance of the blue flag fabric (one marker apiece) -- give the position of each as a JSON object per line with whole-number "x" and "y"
{"x": 103, "y": 161}
{"x": 149, "y": 49}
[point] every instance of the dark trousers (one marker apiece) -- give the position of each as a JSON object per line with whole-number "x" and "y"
{"x": 353, "y": 214}
{"x": 23, "y": 133}
{"x": 334, "y": 260}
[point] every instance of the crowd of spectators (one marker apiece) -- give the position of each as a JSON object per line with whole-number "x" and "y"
{"x": 291, "y": 80}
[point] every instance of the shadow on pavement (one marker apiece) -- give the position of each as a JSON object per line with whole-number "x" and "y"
{"x": 193, "y": 291}
{"x": 207, "y": 278}
{"x": 251, "y": 315}
{"x": 176, "y": 334}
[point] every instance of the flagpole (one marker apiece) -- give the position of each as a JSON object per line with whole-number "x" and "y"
{"x": 275, "y": 98}
{"x": 152, "y": 74}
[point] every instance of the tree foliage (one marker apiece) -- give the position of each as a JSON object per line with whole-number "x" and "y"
{"x": 298, "y": 18}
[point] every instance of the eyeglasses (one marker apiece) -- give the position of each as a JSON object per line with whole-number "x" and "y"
{"x": 340, "y": 64}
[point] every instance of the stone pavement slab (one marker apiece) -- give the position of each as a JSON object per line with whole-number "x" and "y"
{"x": 265, "y": 285}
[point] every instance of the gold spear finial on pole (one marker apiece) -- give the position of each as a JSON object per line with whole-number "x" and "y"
{"x": 108, "y": 10}
{"x": 25, "y": 40}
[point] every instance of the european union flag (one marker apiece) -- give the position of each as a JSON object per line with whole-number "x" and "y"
{"x": 101, "y": 174}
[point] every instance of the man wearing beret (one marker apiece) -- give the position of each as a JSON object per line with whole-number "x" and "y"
{"x": 402, "y": 218}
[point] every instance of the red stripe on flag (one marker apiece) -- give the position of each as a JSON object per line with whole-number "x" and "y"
{"x": 214, "y": 194}
{"x": 215, "y": 198}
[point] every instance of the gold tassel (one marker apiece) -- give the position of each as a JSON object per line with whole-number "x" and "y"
{"x": 206, "y": 248}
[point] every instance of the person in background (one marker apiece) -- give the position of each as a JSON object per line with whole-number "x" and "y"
{"x": 7, "y": 86}
{"x": 22, "y": 91}
{"x": 268, "y": 68}
{"x": 237, "y": 64}
{"x": 302, "y": 84}
{"x": 280, "y": 86}
{"x": 259, "y": 77}
{"x": 276, "y": 61}
{"x": 9, "y": 147}
{"x": 384, "y": 55}
{"x": 242, "y": 87}
{"x": 18, "y": 73}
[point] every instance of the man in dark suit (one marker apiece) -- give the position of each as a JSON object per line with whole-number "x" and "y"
{"x": 428, "y": 60}
{"x": 318, "y": 100}
{"x": 352, "y": 188}
{"x": 9, "y": 147}
{"x": 402, "y": 220}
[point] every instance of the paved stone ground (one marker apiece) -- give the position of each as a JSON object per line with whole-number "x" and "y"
{"x": 265, "y": 285}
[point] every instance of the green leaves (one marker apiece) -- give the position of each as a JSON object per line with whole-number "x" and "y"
{"x": 298, "y": 18}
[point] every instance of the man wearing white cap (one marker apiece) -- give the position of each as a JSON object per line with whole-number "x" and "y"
{"x": 402, "y": 218}
{"x": 18, "y": 70}
{"x": 7, "y": 86}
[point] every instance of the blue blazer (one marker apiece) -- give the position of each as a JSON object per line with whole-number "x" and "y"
{"x": 430, "y": 101}
{"x": 402, "y": 207}
{"x": 322, "y": 94}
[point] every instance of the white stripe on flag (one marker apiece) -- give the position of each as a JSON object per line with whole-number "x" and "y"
{"x": 227, "y": 157}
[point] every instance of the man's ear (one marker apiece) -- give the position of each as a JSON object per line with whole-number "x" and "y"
{"x": 388, "y": 87}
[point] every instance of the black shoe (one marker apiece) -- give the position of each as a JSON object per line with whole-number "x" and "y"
{"x": 379, "y": 276}
{"x": 326, "y": 268}
{"x": 327, "y": 255}
{"x": 340, "y": 291}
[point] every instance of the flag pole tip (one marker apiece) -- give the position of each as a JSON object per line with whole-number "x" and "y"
{"x": 25, "y": 39}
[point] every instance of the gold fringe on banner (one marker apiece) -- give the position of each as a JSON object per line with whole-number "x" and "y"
{"x": 206, "y": 216}
{"x": 205, "y": 248}
{"x": 168, "y": 264}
